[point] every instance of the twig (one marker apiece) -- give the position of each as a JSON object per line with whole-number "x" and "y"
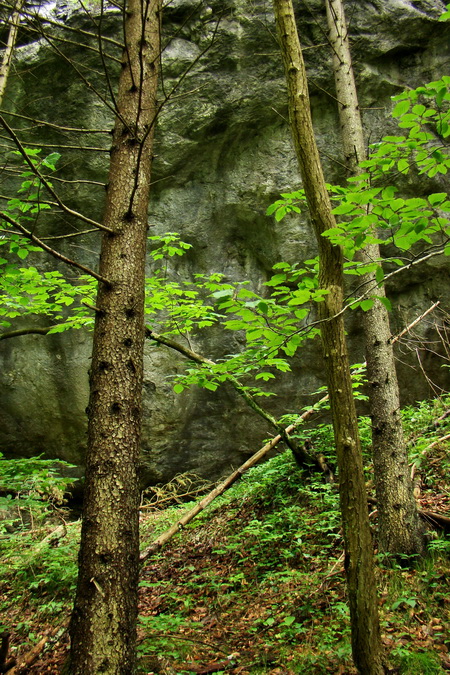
{"x": 425, "y": 450}
{"x": 414, "y": 323}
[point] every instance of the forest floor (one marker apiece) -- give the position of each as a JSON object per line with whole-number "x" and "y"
{"x": 256, "y": 583}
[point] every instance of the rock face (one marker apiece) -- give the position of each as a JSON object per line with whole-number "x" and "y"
{"x": 223, "y": 154}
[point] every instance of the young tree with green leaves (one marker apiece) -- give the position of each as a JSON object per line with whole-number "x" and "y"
{"x": 359, "y": 564}
{"x": 398, "y": 521}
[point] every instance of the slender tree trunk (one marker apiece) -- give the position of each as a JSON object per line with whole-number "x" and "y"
{"x": 5, "y": 66}
{"x": 103, "y": 622}
{"x": 366, "y": 642}
{"x": 399, "y": 531}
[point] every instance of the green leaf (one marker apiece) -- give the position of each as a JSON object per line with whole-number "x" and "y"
{"x": 276, "y": 280}
{"x": 178, "y": 388}
{"x": 273, "y": 207}
{"x": 418, "y": 109}
{"x": 367, "y": 304}
{"x": 379, "y": 275}
{"x": 386, "y": 302}
{"x": 343, "y": 208}
{"x": 280, "y": 213}
{"x": 401, "y": 108}
{"x": 437, "y": 198}
{"x": 265, "y": 376}
{"x": 210, "y": 385}
{"x": 224, "y": 293}
{"x": 60, "y": 328}
{"x": 299, "y": 297}
{"x": 389, "y": 192}
{"x": 263, "y": 307}
{"x": 288, "y": 621}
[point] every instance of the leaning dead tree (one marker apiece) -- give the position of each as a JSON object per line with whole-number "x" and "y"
{"x": 223, "y": 486}
{"x": 303, "y": 458}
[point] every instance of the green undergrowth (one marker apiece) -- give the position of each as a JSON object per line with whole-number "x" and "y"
{"x": 256, "y": 583}
{"x": 259, "y": 577}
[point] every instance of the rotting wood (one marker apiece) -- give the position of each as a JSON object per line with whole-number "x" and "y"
{"x": 24, "y": 662}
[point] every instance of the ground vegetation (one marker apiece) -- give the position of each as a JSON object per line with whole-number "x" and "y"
{"x": 255, "y": 584}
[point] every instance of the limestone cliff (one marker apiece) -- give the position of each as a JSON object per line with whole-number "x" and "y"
{"x": 223, "y": 155}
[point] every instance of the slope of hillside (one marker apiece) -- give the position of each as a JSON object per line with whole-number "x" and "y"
{"x": 256, "y": 583}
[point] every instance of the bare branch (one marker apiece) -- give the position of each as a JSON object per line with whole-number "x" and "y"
{"x": 35, "y": 16}
{"x": 414, "y": 323}
{"x": 45, "y": 182}
{"x": 61, "y": 146}
{"x": 62, "y": 129}
{"x": 56, "y": 254}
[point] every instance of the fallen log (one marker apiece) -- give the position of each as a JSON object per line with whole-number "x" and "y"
{"x": 27, "y": 660}
{"x": 435, "y": 519}
{"x": 220, "y": 489}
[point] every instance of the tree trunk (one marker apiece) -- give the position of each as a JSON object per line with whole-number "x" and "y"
{"x": 398, "y": 521}
{"x": 366, "y": 642}
{"x": 5, "y": 65}
{"x": 103, "y": 624}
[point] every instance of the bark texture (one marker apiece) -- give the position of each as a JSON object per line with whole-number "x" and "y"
{"x": 103, "y": 623}
{"x": 398, "y": 521}
{"x": 5, "y": 65}
{"x": 366, "y": 643}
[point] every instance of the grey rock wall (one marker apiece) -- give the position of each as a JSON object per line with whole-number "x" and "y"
{"x": 223, "y": 154}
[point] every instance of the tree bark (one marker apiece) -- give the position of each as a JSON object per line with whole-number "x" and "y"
{"x": 103, "y": 625}
{"x": 398, "y": 521}
{"x": 366, "y": 641}
{"x": 5, "y": 66}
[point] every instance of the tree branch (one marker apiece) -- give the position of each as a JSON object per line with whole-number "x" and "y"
{"x": 25, "y": 331}
{"x": 56, "y": 254}
{"x": 51, "y": 125}
{"x": 302, "y": 457}
{"x": 45, "y": 182}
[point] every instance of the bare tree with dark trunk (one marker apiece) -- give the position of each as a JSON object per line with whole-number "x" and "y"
{"x": 104, "y": 617}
